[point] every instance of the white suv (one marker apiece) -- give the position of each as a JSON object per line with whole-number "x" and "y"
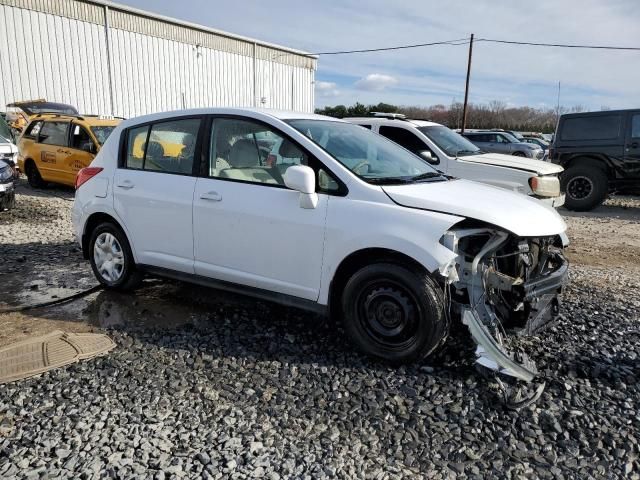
{"x": 321, "y": 214}
{"x": 453, "y": 154}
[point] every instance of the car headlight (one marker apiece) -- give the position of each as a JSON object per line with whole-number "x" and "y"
{"x": 6, "y": 173}
{"x": 548, "y": 186}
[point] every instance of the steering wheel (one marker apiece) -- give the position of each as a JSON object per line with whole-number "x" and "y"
{"x": 360, "y": 165}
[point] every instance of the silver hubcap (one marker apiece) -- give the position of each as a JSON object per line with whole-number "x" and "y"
{"x": 108, "y": 256}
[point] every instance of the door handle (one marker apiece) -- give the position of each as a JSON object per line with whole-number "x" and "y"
{"x": 60, "y": 150}
{"x": 213, "y": 196}
{"x": 126, "y": 184}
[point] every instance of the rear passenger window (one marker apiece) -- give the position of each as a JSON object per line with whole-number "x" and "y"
{"x": 164, "y": 146}
{"x": 136, "y": 142}
{"x": 54, "y": 133}
{"x": 600, "y": 127}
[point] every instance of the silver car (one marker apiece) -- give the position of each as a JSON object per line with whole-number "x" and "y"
{"x": 504, "y": 142}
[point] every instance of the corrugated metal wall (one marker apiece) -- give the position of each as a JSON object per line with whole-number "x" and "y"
{"x": 58, "y": 50}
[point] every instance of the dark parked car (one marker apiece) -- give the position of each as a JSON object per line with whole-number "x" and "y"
{"x": 600, "y": 152}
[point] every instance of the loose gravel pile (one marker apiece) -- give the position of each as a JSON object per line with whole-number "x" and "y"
{"x": 259, "y": 391}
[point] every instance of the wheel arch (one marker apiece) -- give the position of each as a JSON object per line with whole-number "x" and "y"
{"x": 92, "y": 222}
{"x": 361, "y": 258}
{"x": 584, "y": 160}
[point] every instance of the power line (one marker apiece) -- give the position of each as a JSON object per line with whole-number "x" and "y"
{"x": 562, "y": 45}
{"x": 459, "y": 41}
{"x": 465, "y": 41}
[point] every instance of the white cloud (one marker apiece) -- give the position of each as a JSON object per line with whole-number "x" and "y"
{"x": 526, "y": 75}
{"x": 376, "y": 82}
{"x": 326, "y": 89}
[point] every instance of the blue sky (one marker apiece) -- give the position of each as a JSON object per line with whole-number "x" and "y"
{"x": 516, "y": 75}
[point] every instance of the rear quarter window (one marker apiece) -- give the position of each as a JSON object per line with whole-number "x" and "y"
{"x": 600, "y": 127}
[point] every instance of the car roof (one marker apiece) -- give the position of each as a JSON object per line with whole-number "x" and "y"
{"x": 94, "y": 120}
{"x": 599, "y": 112}
{"x": 246, "y": 111}
{"x": 390, "y": 121}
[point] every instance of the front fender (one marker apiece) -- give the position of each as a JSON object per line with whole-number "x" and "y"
{"x": 355, "y": 226}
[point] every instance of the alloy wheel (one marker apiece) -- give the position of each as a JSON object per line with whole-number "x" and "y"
{"x": 579, "y": 187}
{"x": 108, "y": 257}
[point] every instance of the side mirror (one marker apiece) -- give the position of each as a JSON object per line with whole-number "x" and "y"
{"x": 302, "y": 179}
{"x": 429, "y": 157}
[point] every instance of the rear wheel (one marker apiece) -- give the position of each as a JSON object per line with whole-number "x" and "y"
{"x": 111, "y": 258}
{"x": 33, "y": 175}
{"x": 585, "y": 187}
{"x": 394, "y": 313}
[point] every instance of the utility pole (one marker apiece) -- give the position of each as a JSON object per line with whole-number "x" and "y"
{"x": 558, "y": 104}
{"x": 466, "y": 88}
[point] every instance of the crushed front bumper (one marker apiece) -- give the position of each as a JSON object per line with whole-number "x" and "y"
{"x": 505, "y": 286}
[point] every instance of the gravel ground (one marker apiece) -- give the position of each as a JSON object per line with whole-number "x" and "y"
{"x": 205, "y": 384}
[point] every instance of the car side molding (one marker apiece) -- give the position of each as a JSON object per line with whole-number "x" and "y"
{"x": 261, "y": 294}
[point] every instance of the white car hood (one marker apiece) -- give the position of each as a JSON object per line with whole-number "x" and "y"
{"x": 514, "y": 212}
{"x": 521, "y": 163}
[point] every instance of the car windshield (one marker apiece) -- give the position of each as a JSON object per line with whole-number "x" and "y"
{"x": 452, "y": 143}
{"x": 102, "y": 133}
{"x": 510, "y": 137}
{"x": 370, "y": 156}
{"x": 518, "y": 136}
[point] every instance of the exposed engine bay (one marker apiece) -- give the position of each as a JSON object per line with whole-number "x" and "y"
{"x": 502, "y": 285}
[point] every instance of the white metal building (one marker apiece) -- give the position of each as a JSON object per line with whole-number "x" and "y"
{"x": 105, "y": 58}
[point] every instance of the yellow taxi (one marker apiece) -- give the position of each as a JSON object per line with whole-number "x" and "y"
{"x": 54, "y": 147}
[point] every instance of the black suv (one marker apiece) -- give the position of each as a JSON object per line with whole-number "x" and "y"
{"x": 600, "y": 152}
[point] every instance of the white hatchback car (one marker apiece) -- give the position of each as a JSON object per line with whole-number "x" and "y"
{"x": 456, "y": 156}
{"x": 338, "y": 220}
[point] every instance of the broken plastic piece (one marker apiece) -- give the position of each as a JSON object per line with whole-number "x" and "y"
{"x": 491, "y": 354}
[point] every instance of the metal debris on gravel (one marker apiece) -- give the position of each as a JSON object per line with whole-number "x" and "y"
{"x": 255, "y": 390}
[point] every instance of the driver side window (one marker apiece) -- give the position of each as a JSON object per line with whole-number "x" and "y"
{"x": 251, "y": 152}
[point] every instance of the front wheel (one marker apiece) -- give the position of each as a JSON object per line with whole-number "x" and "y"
{"x": 394, "y": 313}
{"x": 111, "y": 258}
{"x": 519, "y": 154}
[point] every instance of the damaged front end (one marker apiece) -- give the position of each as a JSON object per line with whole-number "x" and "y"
{"x": 503, "y": 285}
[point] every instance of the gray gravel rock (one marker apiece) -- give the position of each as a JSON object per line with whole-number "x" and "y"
{"x": 247, "y": 389}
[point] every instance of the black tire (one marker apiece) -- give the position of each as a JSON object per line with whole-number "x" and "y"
{"x": 394, "y": 313}
{"x": 33, "y": 175}
{"x": 585, "y": 187}
{"x": 518, "y": 154}
{"x": 129, "y": 277}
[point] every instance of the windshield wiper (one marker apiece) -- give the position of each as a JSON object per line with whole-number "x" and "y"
{"x": 467, "y": 151}
{"x": 389, "y": 180}
{"x": 424, "y": 176}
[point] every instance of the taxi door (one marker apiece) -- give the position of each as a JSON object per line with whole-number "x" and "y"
{"x": 82, "y": 150}
{"x": 53, "y": 141}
